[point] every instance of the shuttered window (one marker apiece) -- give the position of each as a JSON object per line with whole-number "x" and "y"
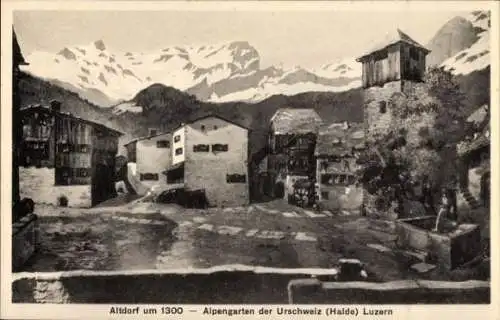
{"x": 148, "y": 176}
{"x": 163, "y": 144}
{"x": 236, "y": 178}
{"x": 220, "y": 147}
{"x": 201, "y": 148}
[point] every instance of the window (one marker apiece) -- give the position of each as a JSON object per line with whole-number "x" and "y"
{"x": 72, "y": 176}
{"x": 27, "y": 131}
{"x": 163, "y": 144}
{"x": 215, "y": 127}
{"x": 346, "y": 165}
{"x": 149, "y": 176}
{"x": 202, "y": 128}
{"x": 177, "y": 138}
{"x": 178, "y": 151}
{"x": 153, "y": 132}
{"x": 220, "y": 147}
{"x": 82, "y": 172}
{"x": 236, "y": 178}
{"x": 35, "y": 151}
{"x": 201, "y": 148}
{"x": 324, "y": 195}
{"x": 382, "y": 107}
{"x": 414, "y": 53}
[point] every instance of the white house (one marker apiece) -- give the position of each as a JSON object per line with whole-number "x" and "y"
{"x": 211, "y": 154}
{"x": 148, "y": 157}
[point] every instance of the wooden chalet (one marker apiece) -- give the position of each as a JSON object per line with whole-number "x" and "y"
{"x": 80, "y": 151}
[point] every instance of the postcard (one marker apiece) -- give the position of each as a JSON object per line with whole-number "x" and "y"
{"x": 174, "y": 159}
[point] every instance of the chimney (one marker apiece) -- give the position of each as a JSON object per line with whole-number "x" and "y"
{"x": 55, "y": 106}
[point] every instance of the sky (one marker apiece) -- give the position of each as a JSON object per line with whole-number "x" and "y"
{"x": 287, "y": 38}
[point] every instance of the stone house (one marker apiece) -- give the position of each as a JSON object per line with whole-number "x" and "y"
{"x": 210, "y": 153}
{"x": 63, "y": 155}
{"x": 151, "y": 155}
{"x": 337, "y": 149}
{"x": 292, "y": 140}
{"x": 474, "y": 152}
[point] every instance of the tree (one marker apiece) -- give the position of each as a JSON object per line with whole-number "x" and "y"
{"x": 422, "y": 140}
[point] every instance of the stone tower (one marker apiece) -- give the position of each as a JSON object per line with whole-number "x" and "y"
{"x": 395, "y": 66}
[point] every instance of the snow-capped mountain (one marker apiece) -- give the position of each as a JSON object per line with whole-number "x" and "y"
{"x": 477, "y": 56}
{"x": 216, "y": 73}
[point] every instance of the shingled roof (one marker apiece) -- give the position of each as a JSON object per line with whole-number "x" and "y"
{"x": 290, "y": 120}
{"x": 337, "y": 140}
{"x": 390, "y": 39}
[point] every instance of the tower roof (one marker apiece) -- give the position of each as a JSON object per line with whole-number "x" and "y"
{"x": 390, "y": 39}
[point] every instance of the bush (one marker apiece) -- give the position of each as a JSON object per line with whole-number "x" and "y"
{"x": 62, "y": 201}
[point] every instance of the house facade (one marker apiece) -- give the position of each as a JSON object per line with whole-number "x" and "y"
{"x": 65, "y": 156}
{"x": 152, "y": 155}
{"x": 292, "y": 140}
{"x": 17, "y": 61}
{"x": 211, "y": 154}
{"x": 474, "y": 173}
{"x": 337, "y": 149}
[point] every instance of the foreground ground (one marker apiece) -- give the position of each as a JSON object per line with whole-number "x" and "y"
{"x": 153, "y": 236}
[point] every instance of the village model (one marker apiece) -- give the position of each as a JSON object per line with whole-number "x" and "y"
{"x": 316, "y": 157}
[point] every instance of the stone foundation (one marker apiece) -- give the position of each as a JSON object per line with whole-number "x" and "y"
{"x": 39, "y": 185}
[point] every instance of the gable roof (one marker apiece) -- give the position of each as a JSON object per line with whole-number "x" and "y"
{"x": 146, "y": 138}
{"x": 198, "y": 118}
{"x": 480, "y": 141}
{"x": 291, "y": 120}
{"x": 17, "y": 55}
{"x": 390, "y": 39}
{"x": 479, "y": 115}
{"x": 336, "y": 140}
{"x": 39, "y": 108}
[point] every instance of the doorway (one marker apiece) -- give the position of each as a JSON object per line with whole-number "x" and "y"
{"x": 103, "y": 179}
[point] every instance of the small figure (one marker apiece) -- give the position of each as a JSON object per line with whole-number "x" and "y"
{"x": 444, "y": 210}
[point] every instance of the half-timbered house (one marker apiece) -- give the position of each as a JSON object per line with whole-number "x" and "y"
{"x": 337, "y": 150}
{"x": 292, "y": 140}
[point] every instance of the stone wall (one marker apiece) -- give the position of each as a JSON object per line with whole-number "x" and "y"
{"x": 234, "y": 287}
{"x": 242, "y": 285}
{"x": 376, "y": 119}
{"x": 24, "y": 240}
{"x": 39, "y": 185}
{"x": 311, "y": 291}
